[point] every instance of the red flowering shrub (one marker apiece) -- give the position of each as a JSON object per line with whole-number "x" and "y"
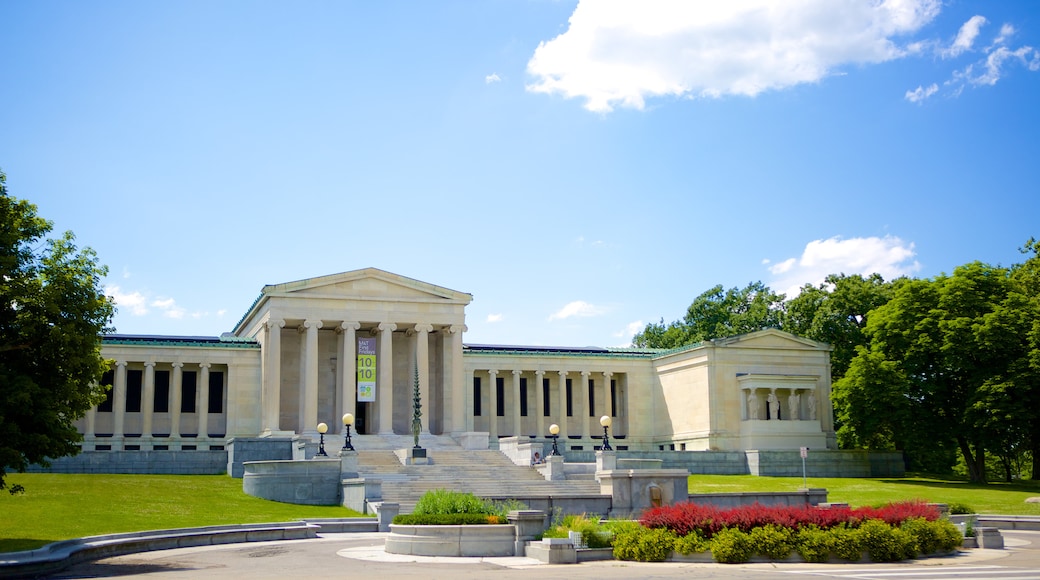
{"x": 686, "y": 517}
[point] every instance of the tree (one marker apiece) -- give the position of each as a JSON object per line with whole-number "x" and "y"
{"x": 948, "y": 353}
{"x": 717, "y": 313}
{"x": 52, "y": 315}
{"x": 836, "y": 312}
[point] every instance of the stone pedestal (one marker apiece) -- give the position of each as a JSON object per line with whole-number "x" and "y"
{"x": 553, "y": 551}
{"x": 385, "y": 513}
{"x": 606, "y": 461}
{"x": 553, "y": 468}
{"x": 989, "y": 538}
{"x": 348, "y": 464}
{"x": 635, "y": 490}
{"x": 528, "y": 523}
{"x": 413, "y": 456}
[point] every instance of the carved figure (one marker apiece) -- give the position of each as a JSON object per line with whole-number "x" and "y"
{"x": 752, "y": 406}
{"x": 774, "y": 405}
{"x": 812, "y": 405}
{"x": 793, "y": 404}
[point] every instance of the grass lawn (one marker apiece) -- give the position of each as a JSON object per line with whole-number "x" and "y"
{"x": 63, "y": 506}
{"x": 993, "y": 498}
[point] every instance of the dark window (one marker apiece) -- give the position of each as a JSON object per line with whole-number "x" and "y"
{"x": 161, "y": 447}
{"x": 188, "y": 379}
{"x": 545, "y": 398}
{"x": 476, "y": 396}
{"x": 569, "y": 407}
{"x": 613, "y": 398}
{"x": 102, "y": 448}
{"x": 500, "y": 395}
{"x": 106, "y": 381}
{"x": 133, "y": 391}
{"x": 592, "y": 398}
{"x": 216, "y": 392}
{"x": 523, "y": 397}
{"x": 161, "y": 403}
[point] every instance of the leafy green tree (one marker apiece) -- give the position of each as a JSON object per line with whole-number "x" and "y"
{"x": 52, "y": 315}
{"x": 717, "y": 313}
{"x": 931, "y": 339}
{"x": 836, "y": 312}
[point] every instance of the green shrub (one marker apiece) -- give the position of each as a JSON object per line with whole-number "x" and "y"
{"x": 731, "y": 546}
{"x": 772, "y": 541}
{"x": 883, "y": 543}
{"x": 933, "y": 537}
{"x": 447, "y": 519}
{"x": 961, "y": 508}
{"x": 845, "y": 543}
{"x": 692, "y": 543}
{"x": 813, "y": 544}
{"x": 446, "y": 501}
{"x": 594, "y": 534}
{"x": 643, "y": 544}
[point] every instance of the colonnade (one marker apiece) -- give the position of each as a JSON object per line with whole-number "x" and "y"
{"x": 348, "y": 332}
{"x": 142, "y": 433}
{"x": 788, "y": 405}
{"x": 605, "y": 389}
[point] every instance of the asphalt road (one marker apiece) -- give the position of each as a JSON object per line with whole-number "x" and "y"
{"x": 361, "y": 556}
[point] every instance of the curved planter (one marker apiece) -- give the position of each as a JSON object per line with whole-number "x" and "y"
{"x": 479, "y": 540}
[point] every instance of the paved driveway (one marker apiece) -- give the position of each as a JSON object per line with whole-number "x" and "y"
{"x": 361, "y": 556}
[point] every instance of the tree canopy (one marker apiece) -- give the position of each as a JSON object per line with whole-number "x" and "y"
{"x": 53, "y": 313}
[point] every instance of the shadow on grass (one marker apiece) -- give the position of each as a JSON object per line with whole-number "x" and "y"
{"x": 22, "y": 544}
{"x": 1023, "y": 486}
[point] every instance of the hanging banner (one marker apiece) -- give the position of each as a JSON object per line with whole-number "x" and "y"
{"x": 366, "y": 370}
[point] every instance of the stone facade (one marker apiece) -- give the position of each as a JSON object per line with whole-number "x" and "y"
{"x": 292, "y": 362}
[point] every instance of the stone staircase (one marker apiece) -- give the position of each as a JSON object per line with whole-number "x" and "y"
{"x": 485, "y": 473}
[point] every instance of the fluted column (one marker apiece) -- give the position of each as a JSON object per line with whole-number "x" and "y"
{"x": 585, "y": 410}
{"x": 177, "y": 384}
{"x": 422, "y": 362}
{"x": 517, "y": 430}
{"x": 493, "y": 407}
{"x": 385, "y": 378}
{"x": 118, "y": 405}
{"x": 348, "y": 366}
{"x": 461, "y": 417}
{"x": 310, "y": 378}
{"x": 607, "y": 410}
{"x": 147, "y": 405}
{"x": 202, "y": 401}
{"x": 562, "y": 407}
{"x": 539, "y": 410}
{"x": 88, "y": 435}
{"x": 468, "y": 400}
{"x": 273, "y": 375}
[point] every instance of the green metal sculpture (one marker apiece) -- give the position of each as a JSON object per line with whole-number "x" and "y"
{"x": 416, "y": 409}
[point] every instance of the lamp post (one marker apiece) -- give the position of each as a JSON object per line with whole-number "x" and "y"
{"x": 322, "y": 429}
{"x": 605, "y": 421}
{"x": 348, "y": 420}
{"x": 554, "y": 432}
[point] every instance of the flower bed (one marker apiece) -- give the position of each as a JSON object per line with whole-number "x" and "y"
{"x": 893, "y": 532}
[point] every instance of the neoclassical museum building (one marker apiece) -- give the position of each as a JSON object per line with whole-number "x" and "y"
{"x": 309, "y": 351}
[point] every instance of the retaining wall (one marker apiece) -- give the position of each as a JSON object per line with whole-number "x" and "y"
{"x": 157, "y": 462}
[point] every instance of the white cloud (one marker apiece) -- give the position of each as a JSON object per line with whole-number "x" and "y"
{"x": 134, "y": 301}
{"x": 492, "y": 78}
{"x": 169, "y": 308}
{"x": 782, "y": 266}
{"x": 630, "y": 329}
{"x": 494, "y": 318}
{"x": 921, "y": 93}
{"x": 986, "y": 71}
{"x": 577, "y": 308}
{"x": 965, "y": 37}
{"x": 619, "y": 53}
{"x": 889, "y": 256}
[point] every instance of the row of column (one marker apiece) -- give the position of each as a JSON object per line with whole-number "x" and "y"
{"x": 773, "y": 404}
{"x": 579, "y": 399}
{"x": 118, "y": 397}
{"x": 347, "y": 349}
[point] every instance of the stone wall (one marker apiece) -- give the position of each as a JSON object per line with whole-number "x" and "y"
{"x": 155, "y": 462}
{"x": 853, "y": 463}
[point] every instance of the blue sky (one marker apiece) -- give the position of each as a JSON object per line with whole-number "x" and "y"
{"x": 581, "y": 169}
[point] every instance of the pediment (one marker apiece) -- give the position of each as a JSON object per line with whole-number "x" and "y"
{"x": 367, "y": 284}
{"x": 771, "y": 338}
